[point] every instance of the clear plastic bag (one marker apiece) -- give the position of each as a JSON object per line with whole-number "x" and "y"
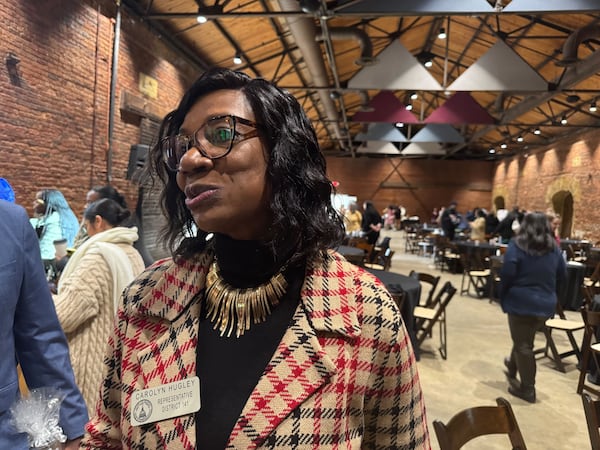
{"x": 37, "y": 414}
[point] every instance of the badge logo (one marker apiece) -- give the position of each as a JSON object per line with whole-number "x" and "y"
{"x": 142, "y": 411}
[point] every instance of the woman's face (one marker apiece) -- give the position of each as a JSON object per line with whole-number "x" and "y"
{"x": 227, "y": 195}
{"x": 39, "y": 207}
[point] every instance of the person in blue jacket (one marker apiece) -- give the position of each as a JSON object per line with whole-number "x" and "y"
{"x": 30, "y": 333}
{"x": 533, "y": 268}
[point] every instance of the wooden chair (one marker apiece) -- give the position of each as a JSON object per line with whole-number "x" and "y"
{"x": 475, "y": 274}
{"x": 382, "y": 260}
{"x": 591, "y": 408}
{"x": 590, "y": 348}
{"x": 495, "y": 268}
{"x": 560, "y": 323}
{"x": 427, "y": 279}
{"x": 426, "y": 318}
{"x": 363, "y": 245}
{"x": 471, "y": 423}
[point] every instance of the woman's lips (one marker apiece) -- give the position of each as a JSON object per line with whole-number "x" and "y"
{"x": 200, "y": 198}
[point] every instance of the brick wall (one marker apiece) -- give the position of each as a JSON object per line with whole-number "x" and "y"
{"x": 417, "y": 184}
{"x": 571, "y": 165}
{"x": 54, "y": 116}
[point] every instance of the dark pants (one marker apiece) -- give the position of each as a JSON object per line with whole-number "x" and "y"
{"x": 522, "y": 331}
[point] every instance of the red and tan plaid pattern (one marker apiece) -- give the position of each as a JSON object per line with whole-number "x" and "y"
{"x": 343, "y": 377}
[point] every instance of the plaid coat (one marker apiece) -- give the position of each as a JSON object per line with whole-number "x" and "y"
{"x": 343, "y": 376}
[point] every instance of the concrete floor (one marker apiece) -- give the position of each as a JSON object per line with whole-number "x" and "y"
{"x": 478, "y": 340}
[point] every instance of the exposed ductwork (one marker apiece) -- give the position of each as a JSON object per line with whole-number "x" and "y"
{"x": 571, "y": 45}
{"x": 366, "y": 48}
{"x": 304, "y": 30}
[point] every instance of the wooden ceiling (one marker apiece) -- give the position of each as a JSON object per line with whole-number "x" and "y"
{"x": 313, "y": 55}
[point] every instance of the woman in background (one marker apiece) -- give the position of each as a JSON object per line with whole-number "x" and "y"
{"x": 352, "y": 219}
{"x": 90, "y": 287}
{"x": 533, "y": 267}
{"x": 53, "y": 220}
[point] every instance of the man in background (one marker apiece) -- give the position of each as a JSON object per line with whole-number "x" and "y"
{"x": 30, "y": 333}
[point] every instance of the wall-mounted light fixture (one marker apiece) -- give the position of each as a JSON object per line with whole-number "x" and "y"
{"x": 12, "y": 66}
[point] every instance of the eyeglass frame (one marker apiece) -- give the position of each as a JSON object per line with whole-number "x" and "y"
{"x": 196, "y": 144}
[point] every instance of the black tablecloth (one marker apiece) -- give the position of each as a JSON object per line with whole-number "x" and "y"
{"x": 354, "y": 255}
{"x": 395, "y": 282}
{"x": 570, "y": 295}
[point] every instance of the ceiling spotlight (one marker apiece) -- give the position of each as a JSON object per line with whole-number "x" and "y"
{"x": 409, "y": 107}
{"x": 425, "y": 58}
{"x": 442, "y": 34}
{"x": 520, "y": 139}
{"x": 310, "y": 6}
{"x": 414, "y": 96}
{"x": 201, "y": 19}
{"x": 563, "y": 121}
{"x": 593, "y": 107}
{"x": 503, "y": 145}
{"x": 537, "y": 131}
{"x": 237, "y": 59}
{"x": 492, "y": 150}
{"x": 399, "y": 125}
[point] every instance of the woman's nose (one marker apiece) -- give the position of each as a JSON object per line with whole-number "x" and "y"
{"x": 194, "y": 160}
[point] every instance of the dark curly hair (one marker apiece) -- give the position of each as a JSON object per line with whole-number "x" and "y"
{"x": 535, "y": 235}
{"x": 300, "y": 200}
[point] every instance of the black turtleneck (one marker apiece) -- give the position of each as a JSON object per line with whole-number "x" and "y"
{"x": 229, "y": 367}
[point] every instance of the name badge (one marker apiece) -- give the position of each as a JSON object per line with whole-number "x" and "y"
{"x": 165, "y": 401}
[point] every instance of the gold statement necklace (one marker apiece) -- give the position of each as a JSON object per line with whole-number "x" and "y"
{"x": 230, "y": 307}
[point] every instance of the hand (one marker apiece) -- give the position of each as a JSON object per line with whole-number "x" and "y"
{"x": 72, "y": 444}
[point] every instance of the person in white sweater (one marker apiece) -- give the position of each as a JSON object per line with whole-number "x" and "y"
{"x": 90, "y": 288}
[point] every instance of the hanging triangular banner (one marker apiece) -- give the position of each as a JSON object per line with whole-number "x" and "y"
{"x": 378, "y": 147}
{"x": 459, "y": 109}
{"x": 437, "y": 132}
{"x": 424, "y": 148}
{"x": 499, "y": 69}
{"x": 538, "y": 6}
{"x": 386, "y": 108}
{"x": 396, "y": 69}
{"x": 381, "y": 132}
{"x": 413, "y": 7}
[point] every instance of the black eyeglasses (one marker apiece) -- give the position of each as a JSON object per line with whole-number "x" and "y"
{"x": 214, "y": 139}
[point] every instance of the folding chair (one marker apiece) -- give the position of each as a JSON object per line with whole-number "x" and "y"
{"x": 382, "y": 260}
{"x": 426, "y": 318}
{"x": 590, "y": 348}
{"x": 426, "y": 278}
{"x": 471, "y": 423}
{"x": 591, "y": 408}
{"x": 560, "y": 323}
{"x": 475, "y": 273}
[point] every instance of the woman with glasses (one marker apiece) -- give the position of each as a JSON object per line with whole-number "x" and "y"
{"x": 255, "y": 334}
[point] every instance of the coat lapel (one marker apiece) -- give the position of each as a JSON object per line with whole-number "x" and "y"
{"x": 300, "y": 365}
{"x": 171, "y": 351}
